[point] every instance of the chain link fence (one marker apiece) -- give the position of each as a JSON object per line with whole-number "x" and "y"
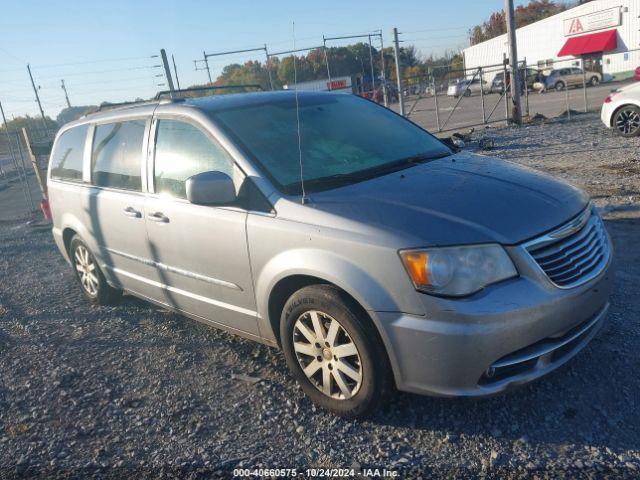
{"x": 20, "y": 192}
{"x": 450, "y": 98}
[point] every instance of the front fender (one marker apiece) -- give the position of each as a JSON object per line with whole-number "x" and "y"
{"x": 328, "y": 266}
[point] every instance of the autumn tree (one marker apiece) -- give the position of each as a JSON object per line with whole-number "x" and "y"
{"x": 527, "y": 14}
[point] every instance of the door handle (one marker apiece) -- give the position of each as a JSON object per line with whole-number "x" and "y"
{"x": 132, "y": 212}
{"x": 158, "y": 217}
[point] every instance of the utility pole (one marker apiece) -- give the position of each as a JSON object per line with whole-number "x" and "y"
{"x": 513, "y": 61}
{"x": 268, "y": 66}
{"x": 383, "y": 75}
{"x": 167, "y": 70}
{"x": 35, "y": 90}
{"x": 373, "y": 81}
{"x": 175, "y": 70}
{"x": 326, "y": 59}
{"x": 206, "y": 64}
{"x": 66, "y": 95}
{"x": 396, "y": 51}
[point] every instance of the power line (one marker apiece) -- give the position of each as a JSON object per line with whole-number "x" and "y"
{"x": 89, "y": 62}
{"x": 96, "y": 72}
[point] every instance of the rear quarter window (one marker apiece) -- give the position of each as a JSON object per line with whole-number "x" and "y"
{"x": 67, "y": 157}
{"x": 116, "y": 158}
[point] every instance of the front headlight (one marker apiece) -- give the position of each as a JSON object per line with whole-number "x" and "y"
{"x": 457, "y": 271}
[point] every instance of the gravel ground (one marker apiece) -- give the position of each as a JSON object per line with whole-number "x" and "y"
{"x": 132, "y": 390}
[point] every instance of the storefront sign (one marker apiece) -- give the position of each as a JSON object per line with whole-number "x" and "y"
{"x": 592, "y": 21}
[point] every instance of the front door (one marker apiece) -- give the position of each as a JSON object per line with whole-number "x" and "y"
{"x": 200, "y": 252}
{"x": 592, "y": 62}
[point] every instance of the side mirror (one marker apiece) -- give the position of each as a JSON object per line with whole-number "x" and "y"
{"x": 210, "y": 188}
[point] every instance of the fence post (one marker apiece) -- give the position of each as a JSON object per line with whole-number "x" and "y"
{"x": 34, "y": 163}
{"x": 584, "y": 85}
{"x": 484, "y": 116}
{"x": 566, "y": 99}
{"x": 435, "y": 99}
{"x": 24, "y": 170}
{"x": 526, "y": 88}
{"x": 396, "y": 50}
{"x": 504, "y": 87}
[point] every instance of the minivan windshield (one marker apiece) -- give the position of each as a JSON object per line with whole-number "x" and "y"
{"x": 343, "y": 139}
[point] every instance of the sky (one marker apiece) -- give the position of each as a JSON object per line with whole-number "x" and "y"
{"x": 103, "y": 49}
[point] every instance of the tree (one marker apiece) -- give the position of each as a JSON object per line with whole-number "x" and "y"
{"x": 251, "y": 73}
{"x": 534, "y": 11}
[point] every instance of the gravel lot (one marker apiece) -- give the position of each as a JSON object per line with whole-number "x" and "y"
{"x": 137, "y": 391}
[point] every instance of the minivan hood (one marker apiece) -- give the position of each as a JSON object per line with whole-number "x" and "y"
{"x": 460, "y": 199}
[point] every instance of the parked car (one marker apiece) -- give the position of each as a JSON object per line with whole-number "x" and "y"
{"x": 466, "y": 87}
{"x": 562, "y": 78}
{"x": 527, "y": 77}
{"x": 374, "y": 255}
{"x": 621, "y": 110}
{"x": 636, "y": 75}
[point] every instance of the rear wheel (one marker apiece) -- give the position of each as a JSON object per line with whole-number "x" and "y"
{"x": 91, "y": 279}
{"x": 626, "y": 121}
{"x": 594, "y": 81}
{"x": 559, "y": 86}
{"x": 334, "y": 353}
{"x": 467, "y": 93}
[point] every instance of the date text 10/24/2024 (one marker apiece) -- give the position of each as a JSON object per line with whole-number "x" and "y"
{"x": 315, "y": 472}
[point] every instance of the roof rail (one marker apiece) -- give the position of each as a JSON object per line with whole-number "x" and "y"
{"x": 106, "y": 106}
{"x": 164, "y": 93}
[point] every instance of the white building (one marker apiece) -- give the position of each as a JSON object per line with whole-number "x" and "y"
{"x": 605, "y": 34}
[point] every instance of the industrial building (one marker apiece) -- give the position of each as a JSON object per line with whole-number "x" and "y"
{"x": 604, "y": 34}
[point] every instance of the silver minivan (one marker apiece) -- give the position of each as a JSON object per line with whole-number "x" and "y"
{"x": 373, "y": 254}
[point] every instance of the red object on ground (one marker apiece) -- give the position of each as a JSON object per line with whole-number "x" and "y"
{"x": 637, "y": 75}
{"x": 46, "y": 209}
{"x": 591, "y": 43}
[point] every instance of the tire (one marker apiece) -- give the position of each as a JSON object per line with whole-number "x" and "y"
{"x": 363, "y": 356}
{"x": 467, "y": 93}
{"x": 594, "y": 81}
{"x": 559, "y": 86}
{"x": 92, "y": 282}
{"x": 626, "y": 121}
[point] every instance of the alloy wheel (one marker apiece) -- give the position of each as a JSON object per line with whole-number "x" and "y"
{"x": 628, "y": 121}
{"x": 327, "y": 355}
{"x": 86, "y": 268}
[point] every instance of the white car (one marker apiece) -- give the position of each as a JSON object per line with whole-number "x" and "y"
{"x": 621, "y": 110}
{"x": 467, "y": 87}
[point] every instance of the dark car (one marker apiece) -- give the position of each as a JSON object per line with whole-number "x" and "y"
{"x": 497, "y": 85}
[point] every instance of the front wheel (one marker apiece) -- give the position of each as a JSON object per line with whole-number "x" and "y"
{"x": 594, "y": 81}
{"x": 626, "y": 121}
{"x": 334, "y": 352}
{"x": 91, "y": 279}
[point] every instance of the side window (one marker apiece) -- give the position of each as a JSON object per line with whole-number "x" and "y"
{"x": 183, "y": 150}
{"x": 117, "y": 155}
{"x": 66, "y": 160}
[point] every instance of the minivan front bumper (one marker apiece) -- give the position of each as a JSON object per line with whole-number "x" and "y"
{"x": 509, "y": 334}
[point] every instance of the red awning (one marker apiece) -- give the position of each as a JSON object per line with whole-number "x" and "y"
{"x": 591, "y": 43}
